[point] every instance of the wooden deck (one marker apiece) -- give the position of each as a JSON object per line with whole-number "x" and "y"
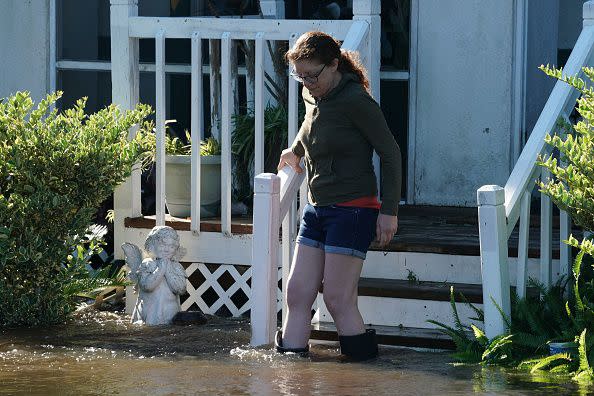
{"x": 423, "y": 229}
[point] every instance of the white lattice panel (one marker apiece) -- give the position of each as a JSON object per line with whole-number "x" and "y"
{"x": 224, "y": 297}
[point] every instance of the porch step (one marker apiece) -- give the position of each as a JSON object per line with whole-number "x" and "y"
{"x": 400, "y": 303}
{"x": 389, "y": 335}
{"x": 454, "y": 231}
{"x": 433, "y": 291}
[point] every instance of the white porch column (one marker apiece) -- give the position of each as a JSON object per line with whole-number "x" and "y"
{"x": 124, "y": 93}
{"x": 369, "y": 11}
{"x": 265, "y": 250}
{"x": 494, "y": 267}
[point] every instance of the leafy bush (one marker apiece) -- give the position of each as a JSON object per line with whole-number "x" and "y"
{"x": 55, "y": 171}
{"x": 572, "y": 188}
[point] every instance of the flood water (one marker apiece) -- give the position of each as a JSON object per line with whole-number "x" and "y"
{"x": 100, "y": 353}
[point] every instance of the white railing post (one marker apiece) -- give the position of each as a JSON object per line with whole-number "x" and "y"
{"x": 124, "y": 93}
{"x": 265, "y": 249}
{"x": 369, "y": 11}
{"x": 494, "y": 266}
{"x": 588, "y": 13}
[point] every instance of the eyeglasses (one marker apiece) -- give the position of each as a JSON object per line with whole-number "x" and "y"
{"x": 307, "y": 79}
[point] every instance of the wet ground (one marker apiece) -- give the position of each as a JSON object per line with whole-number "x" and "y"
{"x": 100, "y": 353}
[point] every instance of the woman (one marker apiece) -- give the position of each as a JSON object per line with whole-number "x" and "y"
{"x": 342, "y": 127}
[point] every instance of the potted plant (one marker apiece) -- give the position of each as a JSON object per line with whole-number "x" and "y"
{"x": 178, "y": 169}
{"x": 178, "y": 180}
{"x": 178, "y": 165}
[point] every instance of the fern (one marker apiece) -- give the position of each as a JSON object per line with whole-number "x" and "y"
{"x": 498, "y": 349}
{"x": 583, "y": 356}
{"x": 480, "y": 336}
{"x": 544, "y": 362}
{"x": 480, "y": 314}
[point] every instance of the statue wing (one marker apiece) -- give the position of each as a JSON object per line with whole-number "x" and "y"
{"x": 133, "y": 258}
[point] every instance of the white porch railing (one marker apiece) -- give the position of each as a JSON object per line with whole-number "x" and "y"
{"x": 128, "y": 28}
{"x": 275, "y": 196}
{"x": 500, "y": 208}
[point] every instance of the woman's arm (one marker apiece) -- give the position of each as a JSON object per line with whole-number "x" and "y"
{"x": 368, "y": 118}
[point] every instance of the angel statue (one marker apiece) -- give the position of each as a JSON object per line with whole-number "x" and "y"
{"x": 160, "y": 280}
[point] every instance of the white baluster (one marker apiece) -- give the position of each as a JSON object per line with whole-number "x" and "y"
{"x": 564, "y": 248}
{"x": 214, "y": 47}
{"x": 160, "y": 97}
{"x": 226, "y": 113}
{"x": 259, "y": 105}
{"x": 196, "y": 132}
{"x": 546, "y": 225}
{"x": 523, "y": 243}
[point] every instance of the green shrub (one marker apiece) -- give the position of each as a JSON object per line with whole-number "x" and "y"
{"x": 572, "y": 188}
{"x": 56, "y": 168}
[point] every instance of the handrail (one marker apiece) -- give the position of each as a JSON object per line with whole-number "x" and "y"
{"x": 239, "y": 29}
{"x": 560, "y": 102}
{"x": 290, "y": 183}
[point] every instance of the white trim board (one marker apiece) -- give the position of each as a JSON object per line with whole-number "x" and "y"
{"x": 432, "y": 267}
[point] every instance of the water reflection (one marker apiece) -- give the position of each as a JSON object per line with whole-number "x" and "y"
{"x": 101, "y": 353}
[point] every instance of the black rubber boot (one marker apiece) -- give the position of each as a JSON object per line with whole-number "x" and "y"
{"x": 359, "y": 347}
{"x": 278, "y": 343}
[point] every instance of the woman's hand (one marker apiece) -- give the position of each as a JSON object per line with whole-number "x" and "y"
{"x": 385, "y": 228}
{"x": 289, "y": 158}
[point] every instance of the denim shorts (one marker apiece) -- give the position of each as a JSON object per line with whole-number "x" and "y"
{"x": 338, "y": 229}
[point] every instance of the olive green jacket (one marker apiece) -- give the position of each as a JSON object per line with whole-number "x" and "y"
{"x": 337, "y": 138}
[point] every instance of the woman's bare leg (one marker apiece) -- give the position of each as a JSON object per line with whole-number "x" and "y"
{"x": 303, "y": 284}
{"x": 341, "y": 278}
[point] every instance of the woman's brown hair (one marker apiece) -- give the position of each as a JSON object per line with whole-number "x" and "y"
{"x": 325, "y": 48}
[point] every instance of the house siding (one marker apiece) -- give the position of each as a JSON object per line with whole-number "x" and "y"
{"x": 24, "y": 57}
{"x": 464, "y": 99}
